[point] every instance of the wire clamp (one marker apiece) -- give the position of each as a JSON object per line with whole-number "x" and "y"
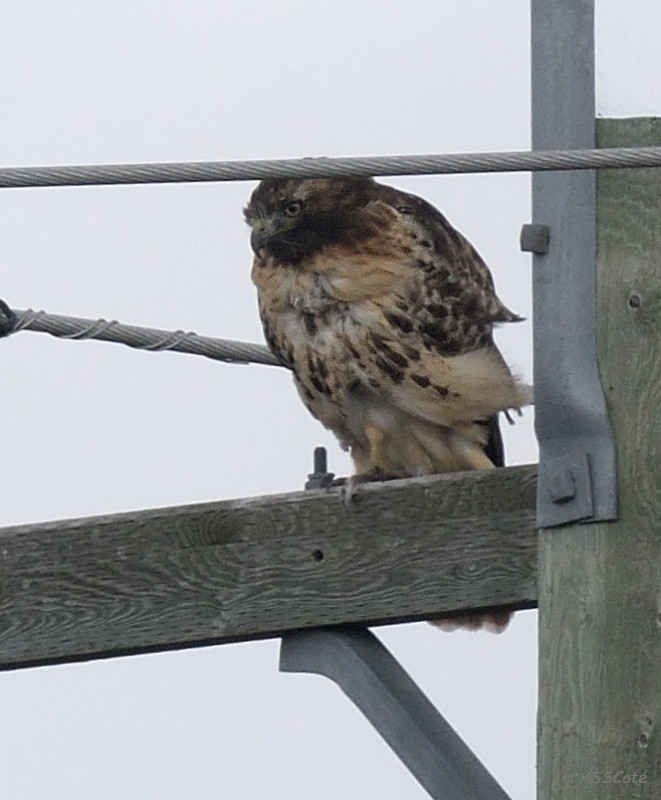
{"x": 8, "y": 319}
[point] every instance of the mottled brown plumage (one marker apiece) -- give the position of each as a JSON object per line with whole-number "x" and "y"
{"x": 385, "y": 315}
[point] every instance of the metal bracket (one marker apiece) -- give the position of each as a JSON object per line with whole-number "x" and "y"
{"x": 577, "y": 476}
{"x": 379, "y": 686}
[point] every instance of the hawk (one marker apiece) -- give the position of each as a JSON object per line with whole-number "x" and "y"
{"x": 385, "y": 314}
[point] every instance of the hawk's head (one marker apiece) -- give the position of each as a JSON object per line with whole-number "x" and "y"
{"x": 294, "y": 218}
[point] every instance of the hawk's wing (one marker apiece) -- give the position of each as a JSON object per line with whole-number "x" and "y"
{"x": 456, "y": 304}
{"x": 494, "y": 448}
{"x": 426, "y": 320}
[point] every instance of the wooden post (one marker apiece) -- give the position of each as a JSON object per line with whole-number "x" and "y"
{"x": 600, "y": 585}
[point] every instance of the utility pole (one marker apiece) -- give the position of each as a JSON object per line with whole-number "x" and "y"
{"x": 600, "y": 584}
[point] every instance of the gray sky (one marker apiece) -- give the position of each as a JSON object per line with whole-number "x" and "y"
{"x": 95, "y": 428}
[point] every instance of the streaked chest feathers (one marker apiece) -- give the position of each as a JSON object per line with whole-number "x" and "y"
{"x": 388, "y": 333}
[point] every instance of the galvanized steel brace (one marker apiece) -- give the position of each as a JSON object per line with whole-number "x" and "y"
{"x": 577, "y": 477}
{"x": 372, "y": 679}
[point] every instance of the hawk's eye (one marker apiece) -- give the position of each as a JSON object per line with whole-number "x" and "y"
{"x": 293, "y": 209}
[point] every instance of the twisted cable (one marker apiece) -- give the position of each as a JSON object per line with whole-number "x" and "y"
{"x": 133, "y": 336}
{"x": 192, "y": 172}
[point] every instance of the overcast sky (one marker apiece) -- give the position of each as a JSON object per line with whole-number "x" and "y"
{"x": 90, "y": 428}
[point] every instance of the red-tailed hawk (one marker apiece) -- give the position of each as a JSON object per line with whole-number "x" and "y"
{"x": 385, "y": 315}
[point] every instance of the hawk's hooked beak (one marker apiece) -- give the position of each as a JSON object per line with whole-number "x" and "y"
{"x": 258, "y": 238}
{"x": 263, "y": 229}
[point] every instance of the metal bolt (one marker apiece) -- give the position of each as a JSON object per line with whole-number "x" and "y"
{"x": 535, "y": 238}
{"x": 562, "y": 486}
{"x": 320, "y": 478}
{"x": 320, "y": 459}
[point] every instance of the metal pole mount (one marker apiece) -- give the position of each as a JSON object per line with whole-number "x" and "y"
{"x": 577, "y": 475}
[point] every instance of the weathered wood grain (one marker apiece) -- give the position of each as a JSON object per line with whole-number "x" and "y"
{"x": 600, "y": 585}
{"x": 225, "y": 571}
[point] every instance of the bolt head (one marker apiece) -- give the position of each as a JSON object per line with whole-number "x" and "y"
{"x": 535, "y": 238}
{"x": 562, "y": 486}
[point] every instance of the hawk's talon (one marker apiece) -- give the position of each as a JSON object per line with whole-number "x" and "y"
{"x": 350, "y": 485}
{"x": 347, "y": 492}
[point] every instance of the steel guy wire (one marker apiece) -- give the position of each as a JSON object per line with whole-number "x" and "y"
{"x": 137, "y": 337}
{"x": 522, "y": 161}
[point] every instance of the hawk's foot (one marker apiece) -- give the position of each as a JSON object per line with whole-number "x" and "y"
{"x": 350, "y": 485}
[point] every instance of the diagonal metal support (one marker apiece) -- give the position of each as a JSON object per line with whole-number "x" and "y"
{"x": 379, "y": 686}
{"x": 577, "y": 478}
